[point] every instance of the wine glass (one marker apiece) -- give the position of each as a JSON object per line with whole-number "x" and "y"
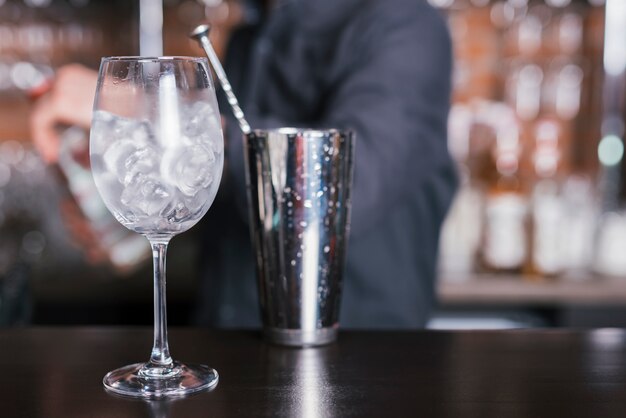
{"x": 157, "y": 153}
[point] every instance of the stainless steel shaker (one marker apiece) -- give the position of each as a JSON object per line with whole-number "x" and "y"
{"x": 299, "y": 184}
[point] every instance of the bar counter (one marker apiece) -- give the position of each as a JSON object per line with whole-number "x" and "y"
{"x": 57, "y": 372}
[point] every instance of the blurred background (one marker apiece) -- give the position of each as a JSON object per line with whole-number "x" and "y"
{"x": 536, "y": 235}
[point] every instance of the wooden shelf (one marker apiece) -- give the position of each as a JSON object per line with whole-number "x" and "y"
{"x": 514, "y": 290}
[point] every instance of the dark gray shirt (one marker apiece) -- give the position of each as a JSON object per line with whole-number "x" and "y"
{"x": 378, "y": 67}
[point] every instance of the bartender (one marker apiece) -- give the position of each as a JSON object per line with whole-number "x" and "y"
{"x": 379, "y": 67}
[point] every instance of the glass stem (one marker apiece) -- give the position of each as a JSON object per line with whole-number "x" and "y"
{"x": 160, "y": 356}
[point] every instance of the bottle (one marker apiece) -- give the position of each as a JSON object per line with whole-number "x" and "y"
{"x": 546, "y": 212}
{"x": 580, "y": 218}
{"x": 504, "y": 238}
{"x": 460, "y": 234}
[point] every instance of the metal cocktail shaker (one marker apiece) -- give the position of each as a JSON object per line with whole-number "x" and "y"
{"x": 299, "y": 185}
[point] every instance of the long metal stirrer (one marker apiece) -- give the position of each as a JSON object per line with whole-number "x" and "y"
{"x": 201, "y": 34}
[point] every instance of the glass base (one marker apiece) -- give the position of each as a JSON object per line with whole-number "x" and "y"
{"x": 145, "y": 380}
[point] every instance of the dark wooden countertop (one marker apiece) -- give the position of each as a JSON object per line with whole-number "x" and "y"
{"x": 57, "y": 372}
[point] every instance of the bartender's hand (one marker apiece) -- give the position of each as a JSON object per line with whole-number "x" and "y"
{"x": 69, "y": 102}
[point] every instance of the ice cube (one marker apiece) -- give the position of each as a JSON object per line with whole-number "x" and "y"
{"x": 123, "y": 143}
{"x": 215, "y": 141}
{"x": 107, "y": 129}
{"x": 176, "y": 211}
{"x": 141, "y": 161}
{"x": 109, "y": 187}
{"x": 115, "y": 157}
{"x": 102, "y": 125}
{"x": 146, "y": 195}
{"x": 202, "y": 125}
{"x": 200, "y": 118}
{"x": 189, "y": 168}
{"x": 131, "y": 129}
{"x": 186, "y": 208}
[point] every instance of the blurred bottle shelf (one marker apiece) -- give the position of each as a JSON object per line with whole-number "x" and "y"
{"x": 537, "y": 130}
{"x": 514, "y": 290}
